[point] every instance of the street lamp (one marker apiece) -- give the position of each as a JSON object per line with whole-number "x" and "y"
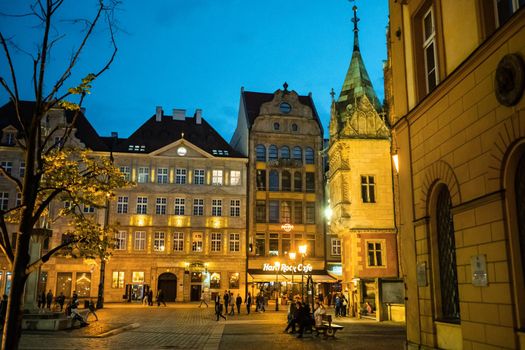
{"x": 277, "y": 267}
{"x": 302, "y": 250}
{"x": 292, "y": 257}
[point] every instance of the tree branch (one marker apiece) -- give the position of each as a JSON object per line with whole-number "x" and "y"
{"x": 11, "y": 178}
{"x": 44, "y": 258}
{"x": 5, "y": 245}
{"x": 42, "y": 206}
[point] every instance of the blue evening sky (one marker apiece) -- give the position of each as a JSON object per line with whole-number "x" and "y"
{"x": 199, "y": 53}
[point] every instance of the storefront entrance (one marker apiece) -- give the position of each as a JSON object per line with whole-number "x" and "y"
{"x": 168, "y": 283}
{"x": 195, "y": 292}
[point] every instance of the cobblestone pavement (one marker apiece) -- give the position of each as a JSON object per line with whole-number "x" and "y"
{"x": 185, "y": 326}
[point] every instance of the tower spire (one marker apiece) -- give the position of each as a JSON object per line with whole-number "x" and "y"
{"x": 356, "y": 29}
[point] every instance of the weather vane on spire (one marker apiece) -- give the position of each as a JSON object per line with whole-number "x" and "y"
{"x": 355, "y": 19}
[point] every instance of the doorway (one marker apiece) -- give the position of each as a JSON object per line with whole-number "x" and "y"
{"x": 168, "y": 283}
{"x": 195, "y": 292}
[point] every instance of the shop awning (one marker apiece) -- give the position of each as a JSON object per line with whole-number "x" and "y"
{"x": 265, "y": 277}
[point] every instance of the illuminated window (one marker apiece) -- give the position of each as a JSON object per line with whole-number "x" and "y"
{"x": 216, "y": 178}
{"x": 142, "y": 205}
{"x": 235, "y": 207}
{"x": 4, "y": 200}
{"x": 122, "y": 205}
{"x": 198, "y": 176}
{"x": 196, "y": 244}
{"x": 198, "y": 207}
{"x": 286, "y": 244}
{"x": 118, "y": 279}
{"x": 137, "y": 277}
{"x": 121, "y": 238}
{"x": 160, "y": 206}
{"x": 375, "y": 253}
{"x": 336, "y": 246}
{"x": 234, "y": 280}
{"x": 162, "y": 175}
{"x": 286, "y": 212}
{"x": 180, "y": 205}
{"x": 143, "y": 175}
{"x": 216, "y": 207}
{"x": 215, "y": 280}
{"x": 261, "y": 180}
{"x": 125, "y": 170}
{"x": 216, "y": 242}
{"x": 159, "y": 241}
{"x": 368, "y": 189}
{"x": 140, "y": 240}
{"x": 235, "y": 177}
{"x": 180, "y": 176}
{"x": 235, "y": 242}
{"x": 83, "y": 284}
{"x": 64, "y": 283}
{"x": 178, "y": 241}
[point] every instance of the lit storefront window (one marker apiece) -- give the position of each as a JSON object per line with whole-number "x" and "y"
{"x": 83, "y": 284}
{"x": 118, "y": 279}
{"x": 64, "y": 280}
{"x": 137, "y": 277}
{"x": 234, "y": 280}
{"x": 215, "y": 280}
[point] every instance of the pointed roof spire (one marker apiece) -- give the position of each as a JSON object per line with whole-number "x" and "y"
{"x": 357, "y": 82}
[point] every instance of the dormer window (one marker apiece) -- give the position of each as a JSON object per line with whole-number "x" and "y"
{"x": 285, "y": 108}
{"x": 276, "y": 126}
{"x": 9, "y": 138}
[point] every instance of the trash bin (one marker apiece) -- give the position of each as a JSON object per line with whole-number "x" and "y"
{"x": 86, "y": 304}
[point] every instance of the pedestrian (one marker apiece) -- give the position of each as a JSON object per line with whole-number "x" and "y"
{"x": 203, "y": 299}
{"x": 150, "y": 297}
{"x": 3, "y": 310}
{"x": 248, "y": 303}
{"x": 344, "y": 303}
{"x": 92, "y": 309}
{"x": 304, "y": 319}
{"x": 238, "y": 302}
{"x": 263, "y": 302}
{"x": 226, "y": 298}
{"x": 42, "y": 300}
{"x": 49, "y": 299}
{"x": 74, "y": 311}
{"x": 293, "y": 316}
{"x": 337, "y": 306}
{"x": 218, "y": 307}
{"x": 60, "y": 300}
{"x": 319, "y": 313}
{"x": 232, "y": 304}
{"x": 160, "y": 298}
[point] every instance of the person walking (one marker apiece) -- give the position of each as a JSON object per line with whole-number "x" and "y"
{"x": 238, "y": 302}
{"x": 160, "y": 298}
{"x": 203, "y": 299}
{"x": 248, "y": 303}
{"x": 150, "y": 298}
{"x": 226, "y": 298}
{"x": 92, "y": 309}
{"x": 293, "y": 316}
{"x": 232, "y": 304}
{"x": 61, "y": 300}
{"x": 42, "y": 300}
{"x": 49, "y": 299}
{"x": 218, "y": 307}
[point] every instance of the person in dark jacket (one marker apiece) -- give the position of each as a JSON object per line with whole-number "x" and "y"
{"x": 160, "y": 298}
{"x": 226, "y": 298}
{"x": 218, "y": 307}
{"x": 248, "y": 303}
{"x": 304, "y": 319}
{"x": 61, "y": 299}
{"x": 293, "y": 317}
{"x": 49, "y": 299}
{"x": 238, "y": 302}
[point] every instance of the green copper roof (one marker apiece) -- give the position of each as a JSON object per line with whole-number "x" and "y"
{"x": 357, "y": 82}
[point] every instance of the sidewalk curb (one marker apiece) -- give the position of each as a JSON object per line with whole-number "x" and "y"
{"x": 118, "y": 330}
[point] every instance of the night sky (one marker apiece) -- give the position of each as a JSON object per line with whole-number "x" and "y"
{"x": 199, "y": 53}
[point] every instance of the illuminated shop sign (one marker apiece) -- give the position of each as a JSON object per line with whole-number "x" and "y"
{"x": 288, "y": 268}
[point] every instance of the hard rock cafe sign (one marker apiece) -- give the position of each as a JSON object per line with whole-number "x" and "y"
{"x": 287, "y": 227}
{"x": 301, "y": 268}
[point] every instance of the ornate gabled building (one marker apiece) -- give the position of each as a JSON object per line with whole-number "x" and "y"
{"x": 361, "y": 193}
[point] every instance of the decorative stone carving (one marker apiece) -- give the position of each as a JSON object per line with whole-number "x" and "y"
{"x": 509, "y": 81}
{"x": 364, "y": 121}
{"x": 297, "y": 108}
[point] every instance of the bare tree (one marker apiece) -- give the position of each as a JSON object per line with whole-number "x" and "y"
{"x": 53, "y": 171}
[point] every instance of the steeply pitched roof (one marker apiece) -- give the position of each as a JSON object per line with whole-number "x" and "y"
{"x": 84, "y": 130}
{"x": 153, "y": 135}
{"x": 254, "y": 100}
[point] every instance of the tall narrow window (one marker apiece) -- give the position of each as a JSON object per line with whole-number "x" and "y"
{"x": 448, "y": 276}
{"x": 216, "y": 242}
{"x": 309, "y": 155}
{"x": 273, "y": 246}
{"x": 375, "y": 253}
{"x": 143, "y": 175}
{"x": 298, "y": 181}
{"x": 310, "y": 212}
{"x": 235, "y": 177}
{"x": 126, "y": 172}
{"x": 159, "y": 241}
{"x": 235, "y": 242}
{"x": 260, "y": 211}
{"x": 160, "y": 206}
{"x": 310, "y": 182}
{"x": 298, "y": 212}
{"x": 272, "y": 152}
{"x": 180, "y": 206}
{"x": 260, "y": 153}
{"x": 122, "y": 205}
{"x": 274, "y": 181}
{"x": 429, "y": 50}
{"x": 260, "y": 244}
{"x": 196, "y": 244}
{"x": 121, "y": 240}
{"x": 178, "y": 241}
{"x": 198, "y": 176}
{"x": 118, "y": 279}
{"x": 336, "y": 246}
{"x": 180, "y": 176}
{"x": 216, "y": 178}
{"x": 216, "y": 207}
{"x": 286, "y": 212}
{"x": 162, "y": 175}
{"x": 198, "y": 207}
{"x": 235, "y": 207}
{"x": 286, "y": 181}
{"x": 285, "y": 152}
{"x": 273, "y": 211}
{"x": 22, "y": 169}
{"x": 140, "y": 240}
{"x": 261, "y": 180}
{"x": 142, "y": 205}
{"x": 298, "y": 153}
{"x": 368, "y": 193}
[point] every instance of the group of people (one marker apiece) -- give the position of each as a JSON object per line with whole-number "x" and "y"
{"x": 300, "y": 317}
{"x": 228, "y": 301}
{"x": 46, "y": 300}
{"x": 341, "y": 304}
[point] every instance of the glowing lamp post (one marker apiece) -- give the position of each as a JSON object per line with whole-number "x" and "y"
{"x": 277, "y": 267}
{"x": 292, "y": 257}
{"x": 302, "y": 251}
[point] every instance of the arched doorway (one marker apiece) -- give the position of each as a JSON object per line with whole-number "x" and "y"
{"x": 168, "y": 283}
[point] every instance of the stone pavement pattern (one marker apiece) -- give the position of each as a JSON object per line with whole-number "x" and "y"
{"x": 185, "y": 326}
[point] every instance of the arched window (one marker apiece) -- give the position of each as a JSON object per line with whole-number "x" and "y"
{"x": 519, "y": 184}
{"x": 448, "y": 276}
{"x": 272, "y": 152}
{"x": 297, "y": 153}
{"x": 309, "y": 155}
{"x": 274, "y": 181}
{"x": 286, "y": 179}
{"x": 285, "y": 152}
{"x": 260, "y": 152}
{"x": 298, "y": 182}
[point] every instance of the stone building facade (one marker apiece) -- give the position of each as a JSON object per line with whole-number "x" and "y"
{"x": 458, "y": 116}
{"x": 361, "y": 195}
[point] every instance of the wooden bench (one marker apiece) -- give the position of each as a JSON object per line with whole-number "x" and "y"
{"x": 327, "y": 329}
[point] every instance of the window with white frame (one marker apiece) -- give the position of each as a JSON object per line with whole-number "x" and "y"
{"x": 216, "y": 207}
{"x": 216, "y": 240}
{"x": 143, "y": 175}
{"x": 235, "y": 177}
{"x": 235, "y": 242}
{"x": 216, "y": 177}
{"x": 180, "y": 204}
{"x": 118, "y": 279}
{"x": 140, "y": 240}
{"x": 368, "y": 189}
{"x": 180, "y": 176}
{"x": 160, "y": 206}
{"x": 142, "y": 205}
{"x": 121, "y": 240}
{"x": 178, "y": 241}
{"x": 22, "y": 169}
{"x": 375, "y": 253}
{"x": 235, "y": 207}
{"x": 8, "y": 166}
{"x": 198, "y": 176}
{"x": 198, "y": 207}
{"x": 336, "y": 246}
{"x": 89, "y": 209}
{"x": 4, "y": 200}
{"x": 159, "y": 241}
{"x": 429, "y": 50}
{"x": 196, "y": 243}
{"x": 122, "y": 204}
{"x": 162, "y": 175}
{"x": 126, "y": 171}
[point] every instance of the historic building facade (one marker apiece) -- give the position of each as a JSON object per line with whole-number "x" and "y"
{"x": 458, "y": 115}
{"x": 181, "y": 227}
{"x": 361, "y": 194}
{"x": 282, "y": 136}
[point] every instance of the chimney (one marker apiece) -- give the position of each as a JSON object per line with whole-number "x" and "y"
{"x": 114, "y": 135}
{"x": 158, "y": 114}
{"x": 198, "y": 116}
{"x": 179, "y": 114}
